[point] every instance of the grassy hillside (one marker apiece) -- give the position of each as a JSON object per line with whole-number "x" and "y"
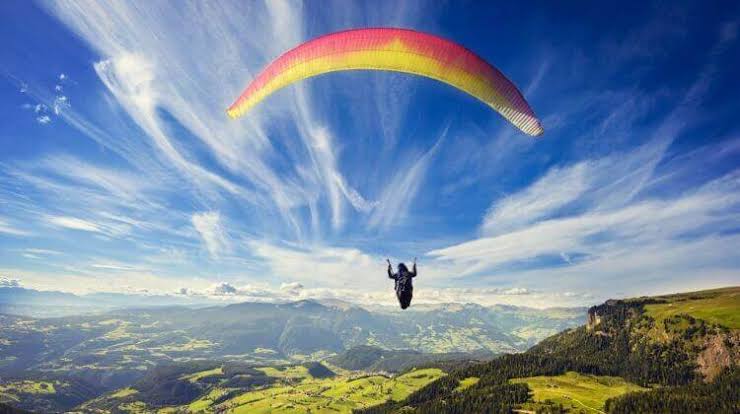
{"x": 286, "y": 389}
{"x": 574, "y": 391}
{"x": 373, "y": 359}
{"x": 642, "y": 355}
{"x": 95, "y": 354}
{"x": 44, "y": 394}
{"x": 673, "y": 353}
{"x": 718, "y": 306}
{"x": 337, "y": 395}
{"x": 128, "y": 342}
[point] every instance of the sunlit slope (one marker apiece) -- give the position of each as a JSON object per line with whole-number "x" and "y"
{"x": 44, "y": 395}
{"x": 337, "y": 395}
{"x": 673, "y": 353}
{"x": 272, "y": 389}
{"x": 575, "y": 391}
{"x": 717, "y": 306}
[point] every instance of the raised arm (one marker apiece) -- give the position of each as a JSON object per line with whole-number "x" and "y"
{"x": 390, "y": 270}
{"x": 413, "y": 270}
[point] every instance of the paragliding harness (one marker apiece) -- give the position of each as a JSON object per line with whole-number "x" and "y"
{"x": 404, "y": 287}
{"x": 404, "y": 291}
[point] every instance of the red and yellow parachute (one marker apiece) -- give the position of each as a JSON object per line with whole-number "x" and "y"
{"x": 397, "y": 50}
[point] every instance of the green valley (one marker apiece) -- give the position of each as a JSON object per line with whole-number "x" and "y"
{"x": 672, "y": 353}
{"x": 286, "y": 389}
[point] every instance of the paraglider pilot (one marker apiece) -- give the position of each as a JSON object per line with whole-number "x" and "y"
{"x": 404, "y": 287}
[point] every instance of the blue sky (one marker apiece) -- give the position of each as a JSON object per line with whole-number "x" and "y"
{"x": 119, "y": 170}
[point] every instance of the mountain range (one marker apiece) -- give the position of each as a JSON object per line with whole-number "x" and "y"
{"x": 664, "y": 354}
{"x": 102, "y": 350}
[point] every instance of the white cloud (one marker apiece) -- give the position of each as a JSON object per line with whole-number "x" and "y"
{"x": 558, "y": 188}
{"x": 157, "y": 77}
{"x": 609, "y": 182}
{"x": 589, "y": 213}
{"x": 116, "y": 202}
{"x": 113, "y": 266}
{"x": 641, "y": 238}
{"x": 184, "y": 291}
{"x": 85, "y": 279}
{"x": 43, "y": 119}
{"x": 288, "y": 292}
{"x": 208, "y": 225}
{"x": 285, "y": 163}
{"x": 43, "y": 252}
{"x": 7, "y": 228}
{"x": 293, "y": 288}
{"x": 73, "y": 223}
{"x": 61, "y": 103}
{"x": 222, "y": 289}
{"x": 329, "y": 266}
{"x": 6, "y": 282}
{"x": 400, "y": 192}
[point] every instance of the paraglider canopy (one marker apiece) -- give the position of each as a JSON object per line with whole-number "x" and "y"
{"x": 398, "y": 50}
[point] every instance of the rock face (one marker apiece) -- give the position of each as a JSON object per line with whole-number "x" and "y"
{"x": 720, "y": 351}
{"x": 704, "y": 347}
{"x": 593, "y": 319}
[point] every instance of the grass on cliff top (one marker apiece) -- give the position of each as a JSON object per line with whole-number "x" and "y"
{"x": 718, "y": 306}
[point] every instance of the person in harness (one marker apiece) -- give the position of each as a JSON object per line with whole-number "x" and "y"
{"x": 404, "y": 287}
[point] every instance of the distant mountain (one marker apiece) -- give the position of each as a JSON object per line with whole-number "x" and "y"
{"x": 686, "y": 347}
{"x": 132, "y": 338}
{"x": 373, "y": 359}
{"x": 92, "y": 353}
{"x": 45, "y": 304}
{"x": 680, "y": 352}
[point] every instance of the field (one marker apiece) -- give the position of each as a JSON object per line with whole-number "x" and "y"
{"x": 720, "y": 306}
{"x": 289, "y": 372}
{"x": 336, "y": 395}
{"x": 295, "y": 391}
{"x": 467, "y": 383}
{"x": 577, "y": 392}
{"x": 14, "y": 391}
{"x": 125, "y": 392}
{"x": 202, "y": 404}
{"x": 203, "y": 374}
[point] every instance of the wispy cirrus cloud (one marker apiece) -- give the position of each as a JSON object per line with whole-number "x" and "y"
{"x": 538, "y": 200}
{"x": 211, "y": 230}
{"x": 157, "y": 81}
{"x": 398, "y": 196}
{"x": 7, "y": 228}
{"x": 73, "y": 223}
{"x": 146, "y": 178}
{"x": 150, "y": 75}
{"x": 326, "y": 265}
{"x": 595, "y": 221}
{"x": 594, "y": 233}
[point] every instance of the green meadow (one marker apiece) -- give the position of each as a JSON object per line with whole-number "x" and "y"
{"x": 335, "y": 395}
{"x": 720, "y": 306}
{"x": 577, "y": 392}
